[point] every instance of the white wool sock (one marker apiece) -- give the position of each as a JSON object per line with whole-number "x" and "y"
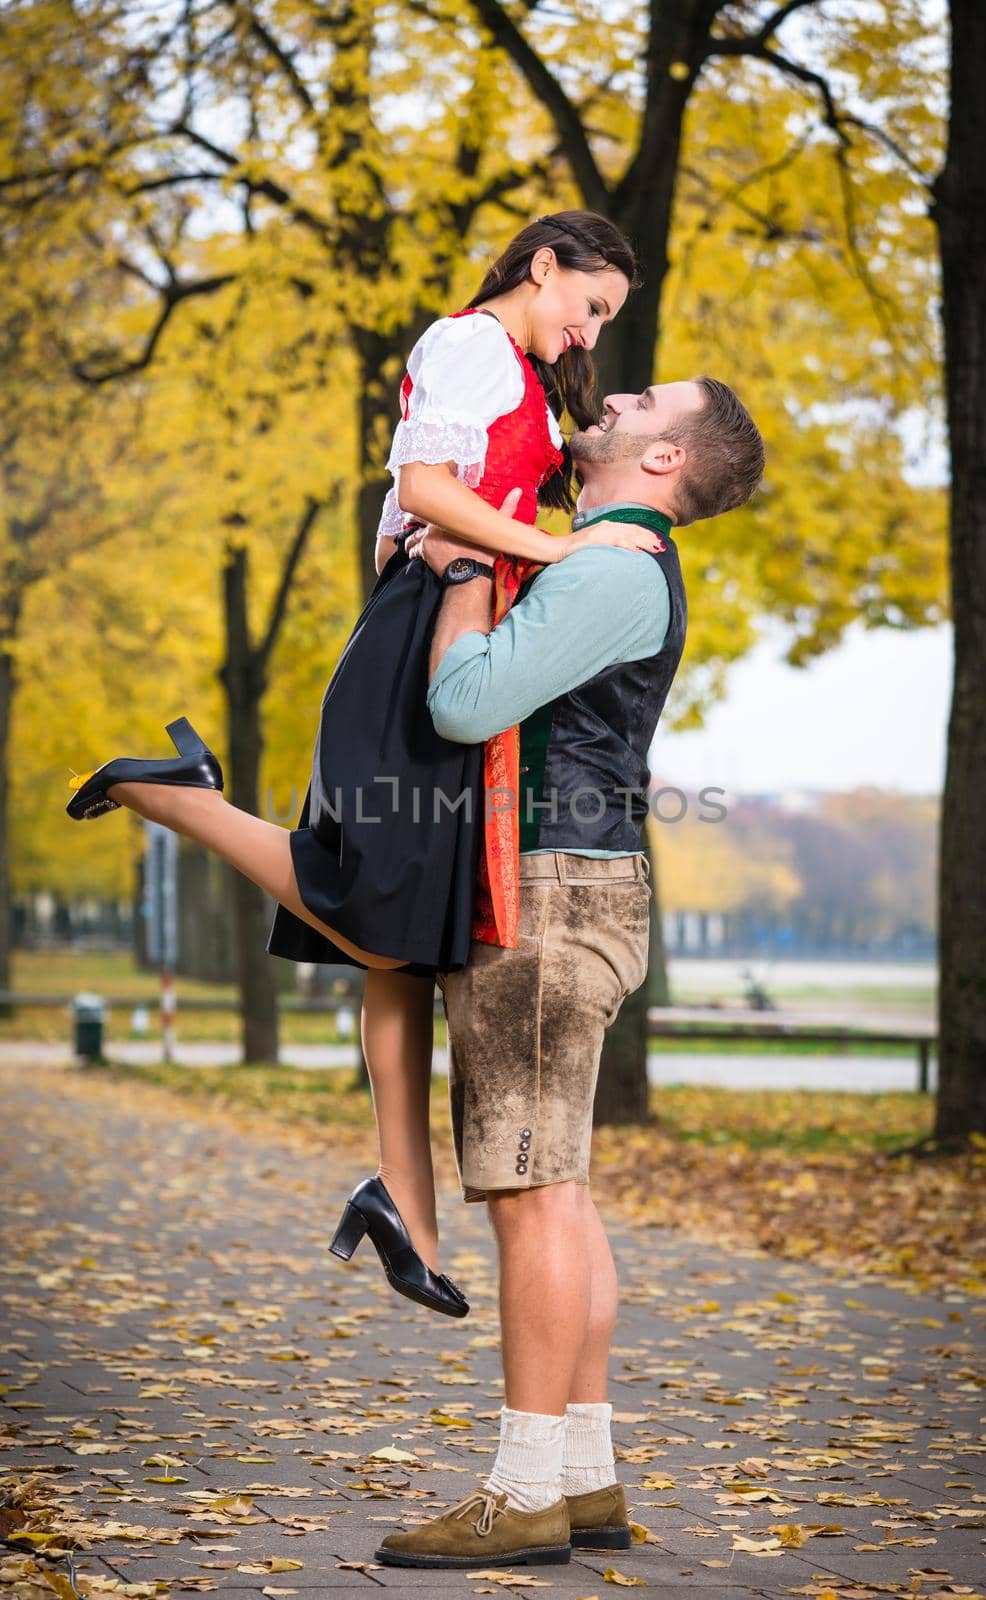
{"x": 587, "y": 1462}
{"x": 528, "y": 1463}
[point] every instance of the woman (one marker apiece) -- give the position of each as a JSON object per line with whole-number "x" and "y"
{"x": 388, "y": 867}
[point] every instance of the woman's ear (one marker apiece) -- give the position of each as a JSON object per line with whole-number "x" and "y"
{"x": 543, "y": 262}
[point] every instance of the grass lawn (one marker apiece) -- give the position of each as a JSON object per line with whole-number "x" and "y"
{"x": 112, "y": 974}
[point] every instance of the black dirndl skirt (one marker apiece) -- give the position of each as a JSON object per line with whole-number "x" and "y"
{"x": 386, "y": 847}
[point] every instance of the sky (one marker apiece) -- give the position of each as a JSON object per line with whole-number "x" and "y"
{"x": 873, "y": 711}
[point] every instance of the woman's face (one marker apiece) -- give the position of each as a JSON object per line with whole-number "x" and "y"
{"x": 570, "y": 307}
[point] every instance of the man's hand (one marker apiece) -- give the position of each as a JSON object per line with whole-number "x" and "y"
{"x": 438, "y": 548}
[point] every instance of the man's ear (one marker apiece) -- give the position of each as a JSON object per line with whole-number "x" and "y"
{"x": 662, "y": 457}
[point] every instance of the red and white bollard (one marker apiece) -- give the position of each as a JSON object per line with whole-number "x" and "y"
{"x": 168, "y": 1007}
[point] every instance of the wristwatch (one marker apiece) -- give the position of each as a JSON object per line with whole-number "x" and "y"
{"x": 462, "y": 568}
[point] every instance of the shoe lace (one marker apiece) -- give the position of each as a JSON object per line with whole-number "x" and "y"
{"x": 489, "y": 1502}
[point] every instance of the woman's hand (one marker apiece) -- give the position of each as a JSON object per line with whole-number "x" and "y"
{"x": 624, "y": 535}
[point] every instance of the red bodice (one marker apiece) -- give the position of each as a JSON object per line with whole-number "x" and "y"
{"x": 520, "y": 454}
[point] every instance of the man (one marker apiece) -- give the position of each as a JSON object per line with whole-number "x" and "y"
{"x": 583, "y": 663}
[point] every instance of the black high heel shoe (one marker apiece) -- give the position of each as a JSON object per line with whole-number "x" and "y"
{"x": 370, "y": 1209}
{"x": 195, "y": 767}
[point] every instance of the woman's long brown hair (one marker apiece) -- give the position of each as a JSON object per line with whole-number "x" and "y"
{"x": 583, "y": 241}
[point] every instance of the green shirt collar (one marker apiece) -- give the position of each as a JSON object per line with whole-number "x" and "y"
{"x": 623, "y": 511}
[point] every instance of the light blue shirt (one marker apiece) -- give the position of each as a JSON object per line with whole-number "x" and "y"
{"x": 597, "y": 607}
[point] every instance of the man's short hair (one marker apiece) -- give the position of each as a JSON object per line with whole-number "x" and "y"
{"x": 725, "y": 455}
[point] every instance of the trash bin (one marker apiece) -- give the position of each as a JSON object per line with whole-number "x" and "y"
{"x": 89, "y": 1013}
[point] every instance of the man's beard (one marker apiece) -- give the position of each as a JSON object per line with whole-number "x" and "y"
{"x": 607, "y": 448}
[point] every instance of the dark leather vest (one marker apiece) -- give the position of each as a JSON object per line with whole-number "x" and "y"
{"x": 583, "y": 757}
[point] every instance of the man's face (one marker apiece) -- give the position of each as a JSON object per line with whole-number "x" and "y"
{"x": 631, "y": 422}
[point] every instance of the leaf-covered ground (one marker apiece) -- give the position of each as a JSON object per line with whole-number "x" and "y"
{"x": 196, "y": 1396}
{"x": 803, "y": 1175}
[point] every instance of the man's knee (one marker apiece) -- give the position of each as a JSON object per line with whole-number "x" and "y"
{"x": 548, "y": 1205}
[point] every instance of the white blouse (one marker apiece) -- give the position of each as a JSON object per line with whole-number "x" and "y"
{"x": 465, "y": 374}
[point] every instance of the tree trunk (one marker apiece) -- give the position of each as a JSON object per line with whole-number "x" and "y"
{"x": 7, "y": 683}
{"x": 381, "y": 366}
{"x": 245, "y": 682}
{"x": 658, "y": 987}
{"x": 628, "y": 361}
{"x": 377, "y": 417}
{"x": 959, "y": 210}
{"x": 621, "y": 1092}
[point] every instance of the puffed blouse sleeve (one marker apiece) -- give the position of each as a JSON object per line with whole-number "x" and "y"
{"x": 464, "y": 374}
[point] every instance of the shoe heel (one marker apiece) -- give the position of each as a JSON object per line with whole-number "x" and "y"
{"x": 184, "y": 738}
{"x": 349, "y": 1233}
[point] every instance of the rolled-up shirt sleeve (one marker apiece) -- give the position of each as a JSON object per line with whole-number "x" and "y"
{"x": 599, "y": 606}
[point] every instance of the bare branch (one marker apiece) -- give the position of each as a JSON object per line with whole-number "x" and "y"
{"x": 291, "y": 559}
{"x": 89, "y": 372}
{"x": 265, "y": 186}
{"x": 276, "y": 50}
{"x": 741, "y": 44}
{"x": 837, "y": 122}
{"x": 892, "y": 145}
{"x": 169, "y": 181}
{"x": 791, "y": 69}
{"x": 546, "y": 88}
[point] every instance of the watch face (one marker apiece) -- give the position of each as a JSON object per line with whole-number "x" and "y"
{"x": 461, "y": 567}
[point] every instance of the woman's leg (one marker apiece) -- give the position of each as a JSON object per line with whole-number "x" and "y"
{"x": 398, "y": 1008}
{"x": 260, "y": 850}
{"x": 398, "y": 1030}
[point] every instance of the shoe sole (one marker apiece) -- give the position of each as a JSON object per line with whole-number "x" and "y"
{"x": 533, "y": 1556}
{"x": 92, "y": 808}
{"x": 616, "y": 1537}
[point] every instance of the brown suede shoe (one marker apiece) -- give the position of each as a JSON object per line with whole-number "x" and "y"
{"x": 482, "y": 1531}
{"x": 598, "y": 1520}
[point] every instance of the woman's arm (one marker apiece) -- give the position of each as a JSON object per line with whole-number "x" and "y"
{"x": 385, "y": 549}
{"x": 434, "y": 494}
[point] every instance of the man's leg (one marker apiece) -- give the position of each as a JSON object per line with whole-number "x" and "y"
{"x": 590, "y": 1379}
{"x": 544, "y": 1313}
{"x": 558, "y": 1296}
{"x": 587, "y": 1462}
{"x": 526, "y": 1029}
{"x": 545, "y": 1294}
{"x": 558, "y": 1301}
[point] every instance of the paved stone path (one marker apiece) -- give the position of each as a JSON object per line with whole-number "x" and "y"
{"x": 170, "y": 1312}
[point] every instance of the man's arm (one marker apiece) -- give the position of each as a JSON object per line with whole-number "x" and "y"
{"x": 465, "y": 608}
{"x": 599, "y": 606}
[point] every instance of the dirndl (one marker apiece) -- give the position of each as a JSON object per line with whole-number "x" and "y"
{"x": 387, "y": 843}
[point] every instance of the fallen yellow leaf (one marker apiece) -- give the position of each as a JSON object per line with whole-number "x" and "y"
{"x": 641, "y": 1535}
{"x": 514, "y": 1579}
{"x": 771, "y": 1547}
{"x": 791, "y": 1534}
